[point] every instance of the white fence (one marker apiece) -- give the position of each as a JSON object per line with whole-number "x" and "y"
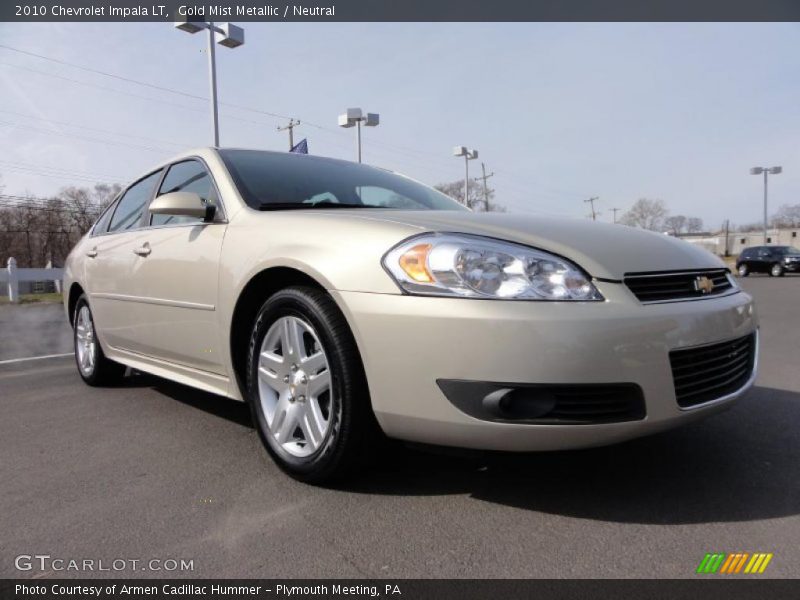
{"x": 12, "y": 276}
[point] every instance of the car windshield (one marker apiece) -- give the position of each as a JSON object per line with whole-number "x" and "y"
{"x": 788, "y": 250}
{"x": 284, "y": 181}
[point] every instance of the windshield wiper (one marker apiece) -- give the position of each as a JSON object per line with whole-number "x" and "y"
{"x": 304, "y": 206}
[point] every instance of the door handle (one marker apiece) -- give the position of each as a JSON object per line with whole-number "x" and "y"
{"x": 143, "y": 251}
{"x": 92, "y": 253}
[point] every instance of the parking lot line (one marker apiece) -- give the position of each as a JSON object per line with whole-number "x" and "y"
{"x": 18, "y": 360}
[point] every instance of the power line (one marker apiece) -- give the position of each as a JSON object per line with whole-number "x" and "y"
{"x": 416, "y": 154}
{"x": 139, "y": 82}
{"x": 58, "y": 172}
{"x": 90, "y": 128}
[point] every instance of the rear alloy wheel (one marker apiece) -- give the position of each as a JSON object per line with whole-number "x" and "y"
{"x": 777, "y": 270}
{"x": 743, "y": 270}
{"x": 307, "y": 388}
{"x": 93, "y": 366}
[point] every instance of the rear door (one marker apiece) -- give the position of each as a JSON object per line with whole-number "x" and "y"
{"x": 110, "y": 258}
{"x": 176, "y": 273}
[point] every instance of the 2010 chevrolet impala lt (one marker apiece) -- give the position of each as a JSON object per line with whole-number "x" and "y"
{"x": 344, "y": 303}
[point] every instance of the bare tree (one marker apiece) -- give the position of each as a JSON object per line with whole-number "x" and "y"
{"x": 675, "y": 224}
{"x": 455, "y": 189}
{"x": 36, "y": 230}
{"x": 694, "y": 225}
{"x": 747, "y": 227}
{"x": 787, "y": 216}
{"x": 647, "y": 214}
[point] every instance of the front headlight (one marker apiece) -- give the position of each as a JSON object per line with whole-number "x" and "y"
{"x": 478, "y": 267}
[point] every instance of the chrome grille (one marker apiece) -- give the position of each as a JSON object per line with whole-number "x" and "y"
{"x": 685, "y": 285}
{"x": 710, "y": 372}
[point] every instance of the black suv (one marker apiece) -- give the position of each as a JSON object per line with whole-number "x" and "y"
{"x": 775, "y": 260}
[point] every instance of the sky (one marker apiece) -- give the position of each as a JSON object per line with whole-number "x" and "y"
{"x": 559, "y": 112}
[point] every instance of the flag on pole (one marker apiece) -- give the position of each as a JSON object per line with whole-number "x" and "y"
{"x": 300, "y": 147}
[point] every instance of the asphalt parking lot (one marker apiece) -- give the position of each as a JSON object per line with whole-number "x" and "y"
{"x": 156, "y": 470}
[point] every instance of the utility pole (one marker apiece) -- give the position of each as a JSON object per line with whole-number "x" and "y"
{"x": 485, "y": 187}
{"x": 468, "y": 156}
{"x": 615, "y": 210}
{"x": 290, "y": 127}
{"x": 591, "y": 201}
{"x": 727, "y": 235}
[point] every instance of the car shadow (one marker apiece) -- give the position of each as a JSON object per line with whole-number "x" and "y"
{"x": 737, "y": 466}
{"x": 740, "y": 465}
{"x": 224, "y": 408}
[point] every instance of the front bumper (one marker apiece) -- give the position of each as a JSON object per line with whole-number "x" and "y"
{"x": 407, "y": 343}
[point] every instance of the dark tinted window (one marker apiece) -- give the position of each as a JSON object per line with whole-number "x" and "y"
{"x": 129, "y": 209}
{"x": 186, "y": 176}
{"x": 301, "y": 181}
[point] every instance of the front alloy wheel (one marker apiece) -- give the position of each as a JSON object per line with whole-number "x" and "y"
{"x": 743, "y": 270}
{"x": 307, "y": 388}
{"x": 776, "y": 270}
{"x": 294, "y": 386}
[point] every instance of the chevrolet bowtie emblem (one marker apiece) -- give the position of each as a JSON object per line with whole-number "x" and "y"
{"x": 704, "y": 285}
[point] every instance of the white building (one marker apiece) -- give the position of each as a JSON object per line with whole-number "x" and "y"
{"x": 738, "y": 240}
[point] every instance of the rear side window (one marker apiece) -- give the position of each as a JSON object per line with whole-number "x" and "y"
{"x": 130, "y": 207}
{"x": 102, "y": 223}
{"x": 187, "y": 176}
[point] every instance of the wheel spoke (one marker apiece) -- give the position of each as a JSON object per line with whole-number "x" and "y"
{"x": 284, "y": 424}
{"x": 292, "y": 337}
{"x": 272, "y": 363}
{"x": 314, "y": 363}
{"x": 313, "y": 424}
{"x": 319, "y": 383}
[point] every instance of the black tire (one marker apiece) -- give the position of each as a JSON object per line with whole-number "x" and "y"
{"x": 777, "y": 270}
{"x": 353, "y": 432}
{"x": 104, "y": 371}
{"x": 743, "y": 270}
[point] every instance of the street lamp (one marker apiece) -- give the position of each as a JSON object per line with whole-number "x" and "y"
{"x": 468, "y": 156}
{"x": 228, "y": 35}
{"x": 354, "y": 116}
{"x": 766, "y": 171}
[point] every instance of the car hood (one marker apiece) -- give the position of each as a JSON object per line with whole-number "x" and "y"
{"x": 605, "y": 251}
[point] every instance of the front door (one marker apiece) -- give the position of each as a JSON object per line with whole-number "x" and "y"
{"x": 175, "y": 270}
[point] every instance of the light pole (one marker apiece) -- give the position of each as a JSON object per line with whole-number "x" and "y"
{"x": 766, "y": 171}
{"x": 228, "y": 35}
{"x": 354, "y": 116}
{"x": 468, "y": 156}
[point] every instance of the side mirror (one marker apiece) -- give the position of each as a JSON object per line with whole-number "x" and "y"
{"x": 183, "y": 204}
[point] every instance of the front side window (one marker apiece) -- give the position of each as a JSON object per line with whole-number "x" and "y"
{"x": 130, "y": 207}
{"x": 186, "y": 176}
{"x": 283, "y": 181}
